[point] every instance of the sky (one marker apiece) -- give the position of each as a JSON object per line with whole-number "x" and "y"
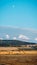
{"x": 18, "y": 20}
{"x": 14, "y": 33}
{"x": 18, "y": 13}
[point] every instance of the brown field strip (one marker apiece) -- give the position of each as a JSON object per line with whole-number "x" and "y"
{"x": 17, "y": 52}
{"x": 14, "y": 51}
{"x": 18, "y": 59}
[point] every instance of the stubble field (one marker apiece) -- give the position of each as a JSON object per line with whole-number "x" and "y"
{"x": 13, "y": 56}
{"x": 18, "y": 59}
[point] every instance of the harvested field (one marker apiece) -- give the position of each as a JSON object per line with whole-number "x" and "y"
{"x": 11, "y": 56}
{"x": 30, "y": 59}
{"x": 15, "y": 50}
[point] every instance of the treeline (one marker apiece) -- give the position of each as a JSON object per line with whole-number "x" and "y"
{"x": 13, "y": 43}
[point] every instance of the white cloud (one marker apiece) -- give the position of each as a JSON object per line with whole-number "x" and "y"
{"x": 23, "y": 37}
{"x": 1, "y": 38}
{"x": 14, "y": 38}
{"x": 7, "y": 36}
{"x": 35, "y": 39}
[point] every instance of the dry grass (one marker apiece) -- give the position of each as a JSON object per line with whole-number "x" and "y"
{"x": 17, "y": 52}
{"x": 10, "y": 57}
{"x": 18, "y": 59}
{"x": 14, "y": 50}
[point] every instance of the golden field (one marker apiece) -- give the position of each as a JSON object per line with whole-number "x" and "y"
{"x": 17, "y": 52}
{"x": 18, "y": 59}
{"x": 13, "y": 56}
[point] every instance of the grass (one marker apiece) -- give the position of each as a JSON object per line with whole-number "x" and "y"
{"x": 18, "y": 59}
{"x": 25, "y": 57}
{"x": 15, "y": 50}
{"x": 18, "y": 52}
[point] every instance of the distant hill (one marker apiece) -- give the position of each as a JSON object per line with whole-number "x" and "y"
{"x": 14, "y": 43}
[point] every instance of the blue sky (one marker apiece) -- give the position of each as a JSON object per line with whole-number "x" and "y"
{"x": 12, "y": 33}
{"x": 20, "y": 13}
